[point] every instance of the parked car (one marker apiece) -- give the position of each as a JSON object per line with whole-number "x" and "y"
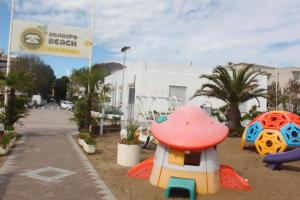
{"x": 68, "y": 105}
{"x": 44, "y": 101}
{"x": 36, "y": 100}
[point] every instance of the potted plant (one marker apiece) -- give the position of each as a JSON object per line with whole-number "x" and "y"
{"x": 113, "y": 112}
{"x": 12, "y": 138}
{"x": 89, "y": 144}
{"x": 80, "y": 113}
{"x": 129, "y": 149}
{"x": 4, "y": 143}
{"x": 10, "y": 131}
{"x": 82, "y": 135}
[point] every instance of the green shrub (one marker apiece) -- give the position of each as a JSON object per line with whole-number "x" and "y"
{"x": 253, "y": 112}
{"x": 79, "y": 113}
{"x": 90, "y": 140}
{"x": 84, "y": 134}
{"x": 131, "y": 138}
{"x": 4, "y": 140}
{"x": 13, "y": 112}
{"x": 11, "y": 134}
{"x": 113, "y": 110}
{"x": 9, "y": 128}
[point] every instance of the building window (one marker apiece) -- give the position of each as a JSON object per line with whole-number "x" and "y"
{"x": 130, "y": 106}
{"x": 180, "y": 157}
{"x": 131, "y": 95}
{"x": 179, "y": 92}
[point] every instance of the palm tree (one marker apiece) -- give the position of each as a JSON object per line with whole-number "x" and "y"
{"x": 233, "y": 87}
{"x": 90, "y": 81}
{"x": 17, "y": 80}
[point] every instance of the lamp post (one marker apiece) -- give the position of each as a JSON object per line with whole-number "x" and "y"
{"x": 124, "y": 50}
{"x": 276, "y": 88}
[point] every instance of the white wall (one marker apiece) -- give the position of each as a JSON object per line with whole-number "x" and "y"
{"x": 154, "y": 79}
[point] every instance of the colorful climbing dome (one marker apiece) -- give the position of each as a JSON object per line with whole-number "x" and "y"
{"x": 253, "y": 131}
{"x": 291, "y": 133}
{"x": 272, "y": 132}
{"x": 274, "y": 120}
{"x": 270, "y": 141}
{"x": 294, "y": 118}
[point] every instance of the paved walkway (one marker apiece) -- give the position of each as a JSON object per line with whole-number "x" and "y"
{"x": 47, "y": 164}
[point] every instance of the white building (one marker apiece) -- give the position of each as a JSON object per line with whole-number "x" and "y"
{"x": 280, "y": 74}
{"x": 163, "y": 80}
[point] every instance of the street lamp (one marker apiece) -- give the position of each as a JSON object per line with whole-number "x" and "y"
{"x": 124, "y": 50}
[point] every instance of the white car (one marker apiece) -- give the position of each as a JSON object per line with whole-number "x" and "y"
{"x": 68, "y": 105}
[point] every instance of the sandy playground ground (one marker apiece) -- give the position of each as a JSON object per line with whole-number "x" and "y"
{"x": 266, "y": 184}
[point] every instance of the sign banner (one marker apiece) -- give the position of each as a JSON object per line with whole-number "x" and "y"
{"x": 38, "y": 38}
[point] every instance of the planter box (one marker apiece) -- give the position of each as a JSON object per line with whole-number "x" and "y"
{"x": 3, "y": 150}
{"x": 107, "y": 123}
{"x": 89, "y": 149}
{"x": 80, "y": 141}
{"x": 112, "y": 116}
{"x": 96, "y": 114}
{"x": 12, "y": 142}
{"x": 128, "y": 155}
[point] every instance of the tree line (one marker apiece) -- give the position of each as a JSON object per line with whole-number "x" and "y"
{"x": 28, "y": 75}
{"x": 287, "y": 96}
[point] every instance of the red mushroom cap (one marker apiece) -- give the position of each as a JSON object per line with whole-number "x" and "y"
{"x": 189, "y": 128}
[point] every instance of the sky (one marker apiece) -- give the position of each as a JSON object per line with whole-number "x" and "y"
{"x": 205, "y": 32}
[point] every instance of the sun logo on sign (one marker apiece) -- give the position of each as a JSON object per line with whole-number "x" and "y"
{"x": 32, "y": 38}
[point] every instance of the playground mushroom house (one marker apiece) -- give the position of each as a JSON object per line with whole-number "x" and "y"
{"x": 187, "y": 150}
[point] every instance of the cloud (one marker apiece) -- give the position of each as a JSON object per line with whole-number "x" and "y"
{"x": 284, "y": 45}
{"x": 207, "y": 32}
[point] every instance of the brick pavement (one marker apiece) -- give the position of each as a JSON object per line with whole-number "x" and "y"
{"x": 47, "y": 164}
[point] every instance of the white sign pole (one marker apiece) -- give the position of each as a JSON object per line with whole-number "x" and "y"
{"x": 91, "y": 50}
{"x": 8, "y": 51}
{"x": 91, "y": 39}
